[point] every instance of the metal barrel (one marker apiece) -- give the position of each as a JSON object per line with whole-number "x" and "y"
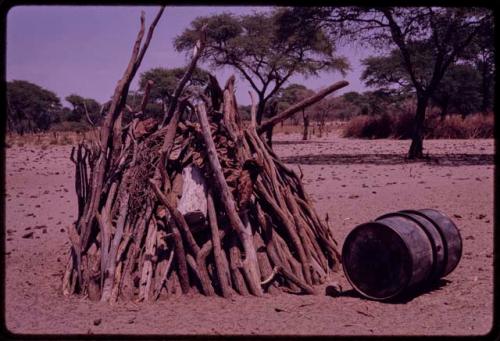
{"x": 400, "y": 251}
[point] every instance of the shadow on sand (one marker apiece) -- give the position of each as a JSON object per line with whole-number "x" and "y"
{"x": 391, "y": 159}
{"x": 402, "y": 299}
{"x": 290, "y": 142}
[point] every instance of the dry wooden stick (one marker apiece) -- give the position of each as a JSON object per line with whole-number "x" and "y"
{"x": 179, "y": 219}
{"x": 292, "y": 278}
{"x": 180, "y": 259}
{"x": 202, "y": 275}
{"x": 220, "y": 266}
{"x": 272, "y": 276}
{"x": 253, "y": 111}
{"x": 290, "y": 229}
{"x": 244, "y": 233}
{"x": 145, "y": 98}
{"x": 163, "y": 279}
{"x": 200, "y": 44}
{"x": 147, "y": 269}
{"x": 299, "y": 106}
{"x": 230, "y": 108}
{"x": 117, "y": 103}
{"x": 111, "y": 262}
{"x": 235, "y": 265}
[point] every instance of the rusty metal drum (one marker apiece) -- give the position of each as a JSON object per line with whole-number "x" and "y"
{"x": 400, "y": 251}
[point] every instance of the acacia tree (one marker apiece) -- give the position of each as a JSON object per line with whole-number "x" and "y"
{"x": 30, "y": 107}
{"x": 459, "y": 90}
{"x": 254, "y": 46}
{"x": 447, "y": 32}
{"x": 293, "y": 94}
{"x": 84, "y": 109}
{"x": 166, "y": 80}
{"x": 482, "y": 57}
{"x": 324, "y": 110}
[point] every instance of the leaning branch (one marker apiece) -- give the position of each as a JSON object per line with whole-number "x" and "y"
{"x": 299, "y": 106}
{"x": 199, "y": 46}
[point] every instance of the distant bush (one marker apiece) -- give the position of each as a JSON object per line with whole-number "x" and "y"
{"x": 70, "y": 126}
{"x": 457, "y": 127}
{"x": 481, "y": 126}
{"x": 400, "y": 126}
{"x": 364, "y": 126}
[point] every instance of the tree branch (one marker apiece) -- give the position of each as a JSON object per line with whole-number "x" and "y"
{"x": 301, "y": 105}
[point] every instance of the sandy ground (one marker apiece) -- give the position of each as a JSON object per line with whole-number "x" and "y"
{"x": 354, "y": 181}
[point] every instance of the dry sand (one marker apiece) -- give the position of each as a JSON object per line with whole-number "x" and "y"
{"x": 354, "y": 181}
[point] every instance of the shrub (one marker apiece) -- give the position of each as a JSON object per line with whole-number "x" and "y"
{"x": 456, "y": 127}
{"x": 400, "y": 126}
{"x": 480, "y": 126}
{"x": 65, "y": 140}
{"x": 452, "y": 127}
{"x": 70, "y": 126}
{"x": 356, "y": 126}
{"x": 364, "y": 126}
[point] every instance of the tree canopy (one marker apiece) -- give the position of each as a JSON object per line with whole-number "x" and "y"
{"x": 435, "y": 36}
{"x": 254, "y": 46}
{"x": 458, "y": 91}
{"x": 166, "y": 80}
{"x": 30, "y": 107}
{"x": 83, "y": 106}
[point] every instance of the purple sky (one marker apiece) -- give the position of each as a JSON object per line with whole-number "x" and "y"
{"x": 85, "y": 49}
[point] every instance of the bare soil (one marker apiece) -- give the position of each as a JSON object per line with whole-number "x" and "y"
{"x": 353, "y": 181}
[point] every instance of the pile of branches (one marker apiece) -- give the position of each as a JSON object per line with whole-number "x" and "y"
{"x": 196, "y": 202}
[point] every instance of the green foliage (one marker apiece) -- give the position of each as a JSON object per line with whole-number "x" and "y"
{"x": 253, "y": 45}
{"x": 30, "y": 107}
{"x": 81, "y": 106}
{"x": 459, "y": 91}
{"x": 166, "y": 80}
{"x": 387, "y": 72}
{"x": 427, "y": 40}
{"x": 286, "y": 97}
{"x": 370, "y": 102}
{"x": 293, "y": 94}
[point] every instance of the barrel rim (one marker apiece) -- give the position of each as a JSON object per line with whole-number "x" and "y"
{"x": 454, "y": 226}
{"x": 403, "y": 285}
{"x": 435, "y": 271}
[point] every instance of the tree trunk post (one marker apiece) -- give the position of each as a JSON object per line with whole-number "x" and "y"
{"x": 269, "y": 137}
{"x": 416, "y": 147}
{"x": 305, "y": 133}
{"x": 260, "y": 109}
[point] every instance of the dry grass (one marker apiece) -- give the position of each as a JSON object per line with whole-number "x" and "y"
{"x": 456, "y": 127}
{"x": 49, "y": 138}
{"x": 401, "y": 126}
{"x": 313, "y": 128}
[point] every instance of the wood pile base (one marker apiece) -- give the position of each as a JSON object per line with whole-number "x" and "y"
{"x": 167, "y": 208}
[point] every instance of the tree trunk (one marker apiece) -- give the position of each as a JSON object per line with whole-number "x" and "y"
{"x": 269, "y": 137}
{"x": 416, "y": 147}
{"x": 485, "y": 91}
{"x": 260, "y": 109}
{"x": 444, "y": 109}
{"x": 305, "y": 133}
